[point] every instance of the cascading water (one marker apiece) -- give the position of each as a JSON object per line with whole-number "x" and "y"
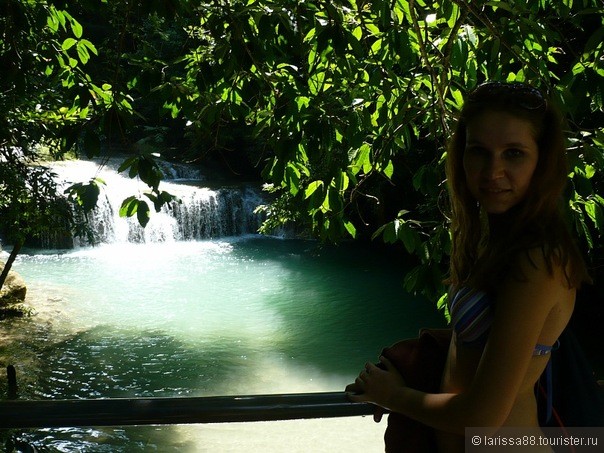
{"x": 199, "y": 212}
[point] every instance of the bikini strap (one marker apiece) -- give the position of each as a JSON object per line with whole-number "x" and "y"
{"x": 542, "y": 349}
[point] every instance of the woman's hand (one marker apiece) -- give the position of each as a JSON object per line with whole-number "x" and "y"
{"x": 354, "y": 389}
{"x": 376, "y": 385}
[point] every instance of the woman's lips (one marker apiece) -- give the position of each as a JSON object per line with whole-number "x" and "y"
{"x": 494, "y": 190}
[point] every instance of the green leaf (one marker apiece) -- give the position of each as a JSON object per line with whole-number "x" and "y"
{"x": 389, "y": 170}
{"x": 312, "y": 187}
{"x": 292, "y": 179}
{"x": 53, "y": 23}
{"x": 457, "y": 97}
{"x": 361, "y": 160}
{"x": 83, "y": 53}
{"x": 91, "y": 47}
{"x": 378, "y": 232}
{"x": 129, "y": 207}
{"x": 406, "y": 235}
{"x": 149, "y": 172}
{"x": 351, "y": 229}
{"x": 443, "y": 305}
{"x": 376, "y": 46}
{"x": 594, "y": 211}
{"x": 302, "y": 102}
{"x": 129, "y": 162}
{"x": 76, "y": 27}
{"x": 325, "y": 206}
{"x": 164, "y": 198}
{"x": 143, "y": 213}
{"x": 86, "y": 195}
{"x": 590, "y": 171}
{"x": 390, "y": 233}
{"x": 59, "y": 16}
{"x": 68, "y": 44}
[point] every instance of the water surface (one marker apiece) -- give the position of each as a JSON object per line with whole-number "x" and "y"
{"x": 244, "y": 315}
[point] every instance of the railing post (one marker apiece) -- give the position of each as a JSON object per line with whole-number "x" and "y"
{"x": 11, "y": 375}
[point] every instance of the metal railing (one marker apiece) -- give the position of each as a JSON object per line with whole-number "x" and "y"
{"x": 182, "y": 410}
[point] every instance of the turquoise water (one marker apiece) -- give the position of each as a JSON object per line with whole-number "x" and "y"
{"x": 246, "y": 315}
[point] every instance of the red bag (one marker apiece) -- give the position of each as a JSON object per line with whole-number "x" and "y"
{"x": 421, "y": 362}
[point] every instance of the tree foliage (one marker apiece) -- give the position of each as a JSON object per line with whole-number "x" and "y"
{"x": 353, "y": 102}
{"x": 41, "y": 53}
{"x": 345, "y": 107}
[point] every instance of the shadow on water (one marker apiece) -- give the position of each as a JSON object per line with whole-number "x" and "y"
{"x": 341, "y": 304}
{"x": 105, "y": 362}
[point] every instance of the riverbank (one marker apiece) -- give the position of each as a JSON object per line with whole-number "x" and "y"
{"x": 21, "y": 338}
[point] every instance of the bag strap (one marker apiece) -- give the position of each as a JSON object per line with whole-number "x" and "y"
{"x": 553, "y": 412}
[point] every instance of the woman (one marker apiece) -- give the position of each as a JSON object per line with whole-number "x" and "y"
{"x": 514, "y": 269}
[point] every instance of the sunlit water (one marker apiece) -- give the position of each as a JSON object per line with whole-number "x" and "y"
{"x": 245, "y": 315}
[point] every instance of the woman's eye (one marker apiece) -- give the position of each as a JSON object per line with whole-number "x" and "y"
{"x": 514, "y": 153}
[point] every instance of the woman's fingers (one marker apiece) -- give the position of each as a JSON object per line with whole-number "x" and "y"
{"x": 351, "y": 388}
{"x": 386, "y": 363}
{"x": 378, "y": 414}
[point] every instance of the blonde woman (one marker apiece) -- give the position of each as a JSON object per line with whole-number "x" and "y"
{"x": 514, "y": 270}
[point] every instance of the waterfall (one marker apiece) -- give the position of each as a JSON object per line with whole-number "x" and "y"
{"x": 200, "y": 212}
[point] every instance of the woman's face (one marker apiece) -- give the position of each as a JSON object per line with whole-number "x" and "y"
{"x": 499, "y": 160}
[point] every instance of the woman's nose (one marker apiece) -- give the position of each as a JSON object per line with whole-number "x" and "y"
{"x": 494, "y": 168}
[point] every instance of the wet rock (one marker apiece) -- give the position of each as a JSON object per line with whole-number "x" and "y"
{"x": 14, "y": 288}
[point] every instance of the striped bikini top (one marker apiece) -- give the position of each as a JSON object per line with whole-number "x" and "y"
{"x": 471, "y": 317}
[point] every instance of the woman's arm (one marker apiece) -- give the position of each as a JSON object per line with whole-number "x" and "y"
{"x": 522, "y": 307}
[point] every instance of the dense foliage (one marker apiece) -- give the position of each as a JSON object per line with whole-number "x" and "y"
{"x": 46, "y": 97}
{"x": 344, "y": 107}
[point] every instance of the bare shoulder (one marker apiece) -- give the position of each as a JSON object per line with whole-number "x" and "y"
{"x": 542, "y": 295}
{"x": 537, "y": 278}
{"x": 540, "y": 264}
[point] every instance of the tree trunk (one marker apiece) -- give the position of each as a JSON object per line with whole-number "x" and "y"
{"x": 9, "y": 263}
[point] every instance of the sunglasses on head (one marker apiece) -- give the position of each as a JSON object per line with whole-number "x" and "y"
{"x": 521, "y": 94}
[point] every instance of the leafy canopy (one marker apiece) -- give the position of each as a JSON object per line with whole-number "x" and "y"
{"x": 344, "y": 106}
{"x": 353, "y": 102}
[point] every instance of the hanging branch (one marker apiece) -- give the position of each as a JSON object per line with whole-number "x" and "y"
{"x": 440, "y": 100}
